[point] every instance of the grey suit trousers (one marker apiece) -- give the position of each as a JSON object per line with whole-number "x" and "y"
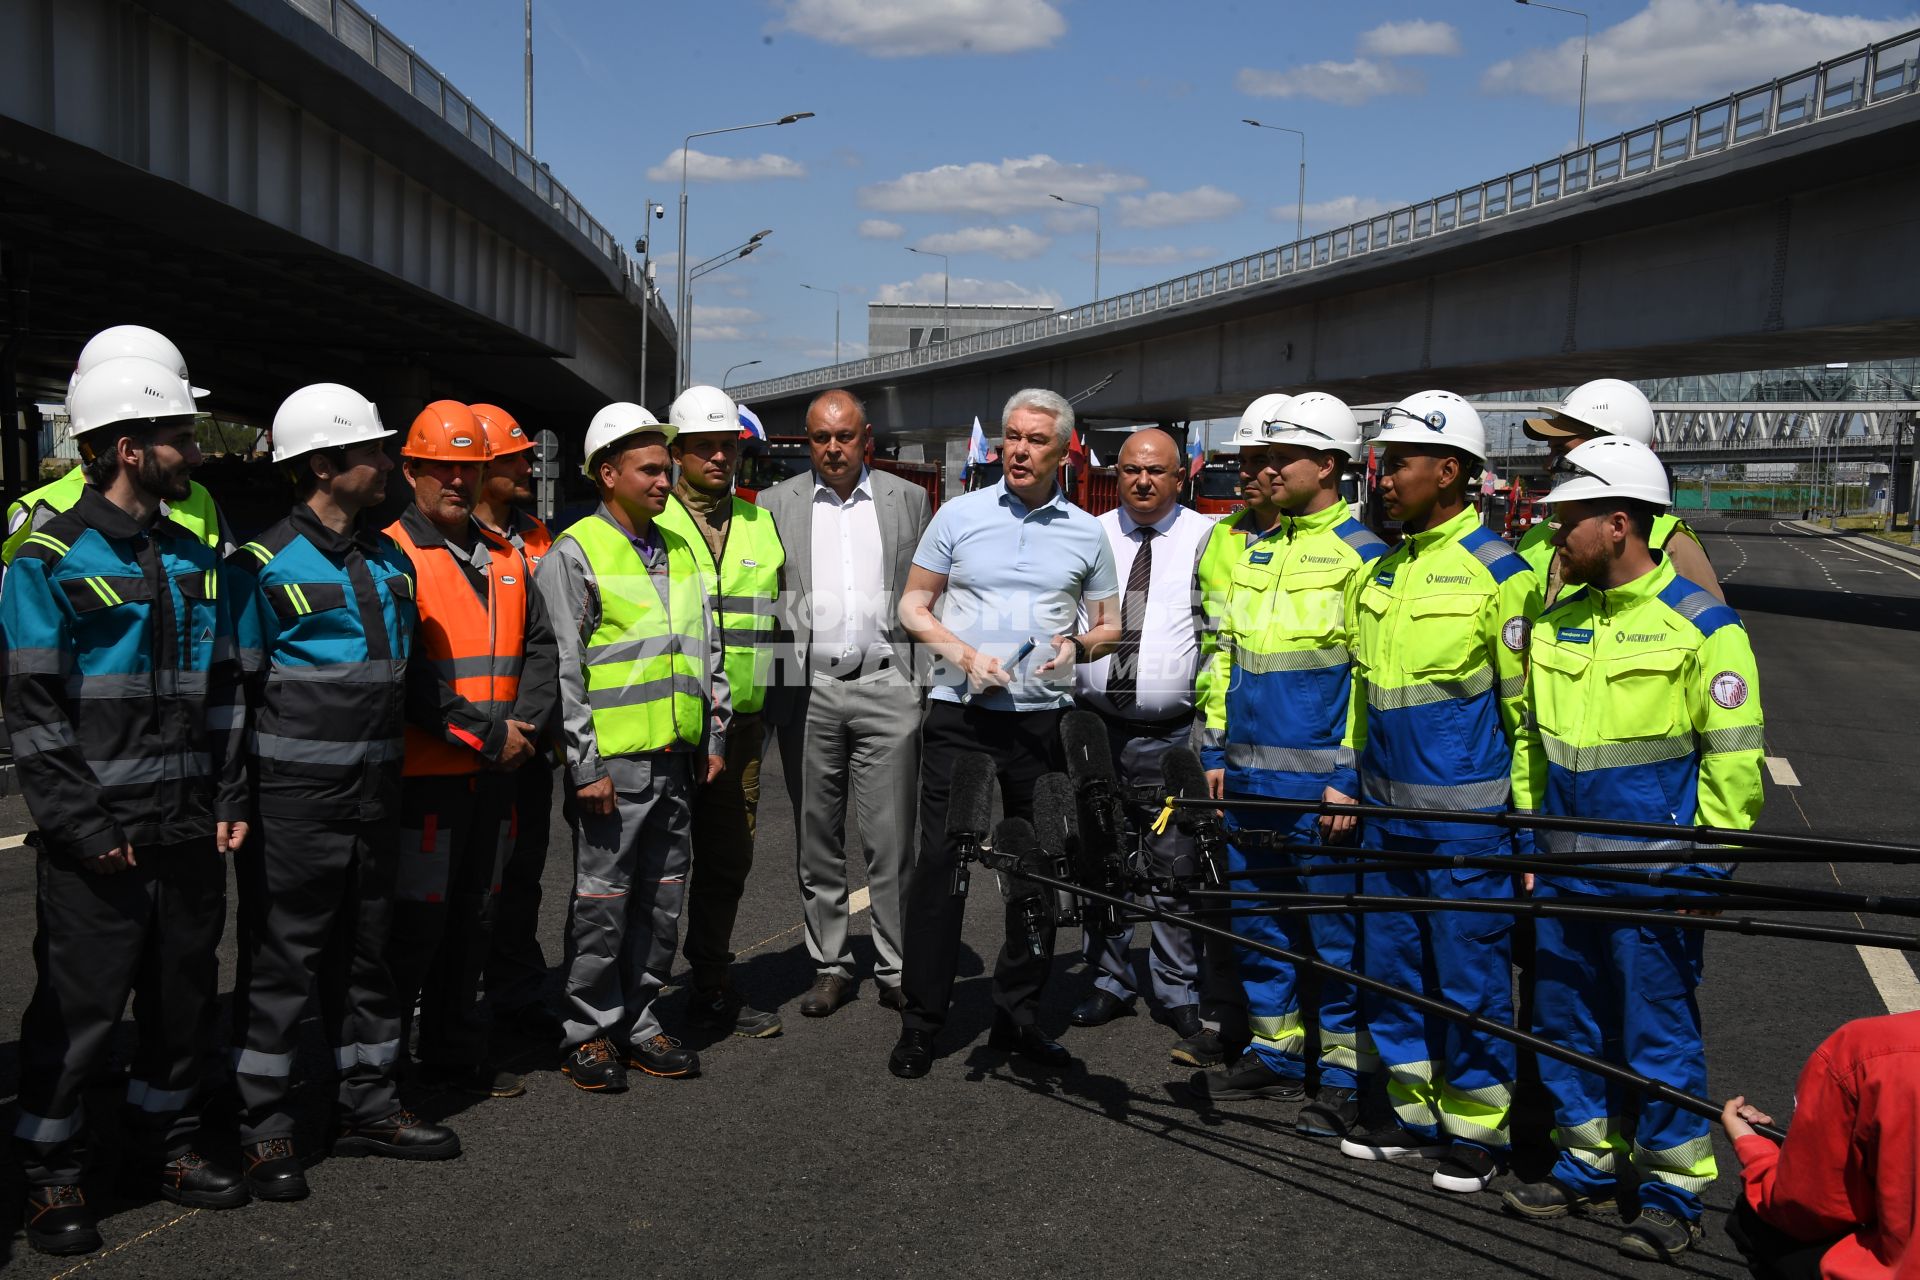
{"x": 859, "y": 740}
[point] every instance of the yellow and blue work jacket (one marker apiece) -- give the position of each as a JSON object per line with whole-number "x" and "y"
{"x": 1440, "y": 639}
{"x": 1643, "y": 706}
{"x": 1275, "y": 686}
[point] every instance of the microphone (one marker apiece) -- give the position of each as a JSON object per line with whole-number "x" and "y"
{"x": 1083, "y": 735}
{"x": 1186, "y": 779}
{"x": 969, "y": 811}
{"x": 1057, "y": 828}
{"x": 1014, "y": 845}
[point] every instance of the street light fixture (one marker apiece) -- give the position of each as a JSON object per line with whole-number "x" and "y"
{"x": 1586, "y": 33}
{"x": 712, "y": 264}
{"x": 686, "y": 312}
{"x": 1096, "y": 237}
{"x": 1300, "y": 203}
{"x": 727, "y": 377}
{"x": 946, "y": 289}
{"x": 836, "y": 316}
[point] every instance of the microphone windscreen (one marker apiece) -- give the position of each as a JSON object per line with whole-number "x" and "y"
{"x": 1014, "y": 839}
{"x": 1055, "y": 817}
{"x": 1084, "y": 737}
{"x": 970, "y": 796}
{"x": 1184, "y": 775}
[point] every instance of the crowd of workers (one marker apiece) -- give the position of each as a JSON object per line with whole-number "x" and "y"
{"x": 330, "y": 704}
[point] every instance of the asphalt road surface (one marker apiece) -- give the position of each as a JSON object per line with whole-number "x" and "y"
{"x": 802, "y": 1155}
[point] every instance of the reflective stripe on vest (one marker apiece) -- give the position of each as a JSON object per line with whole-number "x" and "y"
{"x": 195, "y": 513}
{"x": 749, "y": 581}
{"x": 645, "y": 660}
{"x": 478, "y": 646}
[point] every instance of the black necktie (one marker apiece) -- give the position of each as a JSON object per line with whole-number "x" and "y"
{"x": 1123, "y": 677}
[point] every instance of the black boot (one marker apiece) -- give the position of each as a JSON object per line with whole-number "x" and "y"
{"x": 57, "y": 1221}
{"x": 274, "y": 1170}
{"x": 401, "y": 1136}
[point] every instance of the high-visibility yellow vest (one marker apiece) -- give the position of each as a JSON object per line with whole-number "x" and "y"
{"x": 196, "y": 513}
{"x": 645, "y": 659}
{"x": 749, "y": 578}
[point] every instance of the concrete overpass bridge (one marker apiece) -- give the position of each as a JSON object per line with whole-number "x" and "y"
{"x": 1778, "y": 224}
{"x": 287, "y": 191}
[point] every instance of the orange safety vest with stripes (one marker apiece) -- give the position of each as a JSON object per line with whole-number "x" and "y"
{"x": 477, "y": 646}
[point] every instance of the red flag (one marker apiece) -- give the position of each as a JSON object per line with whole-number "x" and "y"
{"x": 1077, "y": 449}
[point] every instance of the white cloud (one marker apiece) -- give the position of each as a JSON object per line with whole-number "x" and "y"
{"x": 1009, "y": 186}
{"x": 1346, "y": 84}
{"x": 1013, "y": 243}
{"x": 914, "y": 28}
{"x": 926, "y": 289}
{"x": 1688, "y": 50}
{"x": 719, "y": 333}
{"x": 1337, "y": 212}
{"x": 1414, "y": 38}
{"x": 849, "y": 350}
{"x": 725, "y": 315}
{"x": 702, "y": 167}
{"x": 1160, "y": 255}
{"x": 1177, "y": 208}
{"x": 881, "y": 229}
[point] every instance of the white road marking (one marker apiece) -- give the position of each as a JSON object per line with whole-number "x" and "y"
{"x": 1782, "y": 772}
{"x": 1882, "y": 560}
{"x": 859, "y": 900}
{"x": 12, "y": 842}
{"x": 1892, "y": 978}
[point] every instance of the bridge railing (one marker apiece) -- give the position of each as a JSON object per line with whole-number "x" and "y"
{"x": 1864, "y": 78}
{"x": 355, "y": 28}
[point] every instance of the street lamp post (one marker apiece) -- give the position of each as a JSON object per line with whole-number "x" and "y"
{"x": 727, "y": 377}
{"x": 644, "y": 247}
{"x": 686, "y": 312}
{"x": 1586, "y": 33}
{"x": 1096, "y": 237}
{"x": 529, "y": 77}
{"x": 946, "y": 289}
{"x": 699, "y": 269}
{"x": 836, "y": 316}
{"x": 1300, "y": 201}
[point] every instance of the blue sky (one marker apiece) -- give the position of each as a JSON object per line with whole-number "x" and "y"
{"x": 945, "y": 124}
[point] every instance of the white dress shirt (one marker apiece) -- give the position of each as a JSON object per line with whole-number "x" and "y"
{"x": 850, "y": 607}
{"x": 1169, "y": 634}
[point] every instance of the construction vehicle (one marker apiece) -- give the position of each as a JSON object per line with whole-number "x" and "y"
{"x": 764, "y": 465}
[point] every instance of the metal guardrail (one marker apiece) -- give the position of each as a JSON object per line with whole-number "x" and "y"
{"x": 355, "y": 28}
{"x": 1866, "y": 77}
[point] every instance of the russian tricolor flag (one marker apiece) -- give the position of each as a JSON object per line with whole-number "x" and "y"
{"x": 750, "y": 428}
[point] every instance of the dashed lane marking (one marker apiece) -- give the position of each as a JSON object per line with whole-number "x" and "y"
{"x": 1782, "y": 772}
{"x": 1892, "y": 978}
{"x": 13, "y": 842}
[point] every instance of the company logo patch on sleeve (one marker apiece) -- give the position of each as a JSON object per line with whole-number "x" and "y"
{"x": 1514, "y": 633}
{"x": 1729, "y": 689}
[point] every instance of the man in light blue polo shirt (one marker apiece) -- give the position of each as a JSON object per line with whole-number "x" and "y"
{"x": 997, "y": 569}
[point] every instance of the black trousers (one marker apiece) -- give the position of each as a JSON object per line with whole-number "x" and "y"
{"x": 1024, "y": 745}
{"x": 453, "y": 848}
{"x": 316, "y": 903}
{"x": 1770, "y": 1253}
{"x": 516, "y": 964}
{"x": 155, "y": 926}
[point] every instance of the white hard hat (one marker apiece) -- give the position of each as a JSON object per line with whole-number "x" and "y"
{"x": 1611, "y": 467}
{"x": 324, "y": 415}
{"x": 132, "y": 340}
{"x": 1252, "y": 431}
{"x": 1316, "y": 420}
{"x": 1435, "y": 418}
{"x": 616, "y": 422}
{"x": 126, "y": 388}
{"x": 1605, "y": 406}
{"x": 703, "y": 410}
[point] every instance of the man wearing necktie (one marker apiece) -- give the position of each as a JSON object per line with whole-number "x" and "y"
{"x": 1144, "y": 693}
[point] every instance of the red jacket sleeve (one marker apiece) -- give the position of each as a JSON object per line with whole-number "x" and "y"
{"x": 1812, "y": 1188}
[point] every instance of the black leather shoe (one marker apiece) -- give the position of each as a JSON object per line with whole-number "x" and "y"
{"x": 592, "y": 1066}
{"x": 912, "y": 1055}
{"x": 1100, "y": 1008}
{"x": 891, "y": 996}
{"x": 661, "y": 1055}
{"x": 58, "y": 1223}
{"x": 401, "y": 1136}
{"x": 1027, "y": 1042}
{"x": 274, "y": 1171}
{"x": 194, "y": 1180}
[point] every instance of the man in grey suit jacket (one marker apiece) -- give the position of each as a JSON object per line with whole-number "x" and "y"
{"x": 845, "y": 703}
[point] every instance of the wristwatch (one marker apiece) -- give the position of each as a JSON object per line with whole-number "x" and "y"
{"x": 1079, "y": 648}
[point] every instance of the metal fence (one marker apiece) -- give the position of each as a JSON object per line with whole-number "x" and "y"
{"x": 355, "y": 28}
{"x": 1864, "y": 78}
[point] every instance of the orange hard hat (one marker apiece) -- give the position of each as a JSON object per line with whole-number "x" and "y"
{"x": 503, "y": 434}
{"x": 446, "y": 431}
